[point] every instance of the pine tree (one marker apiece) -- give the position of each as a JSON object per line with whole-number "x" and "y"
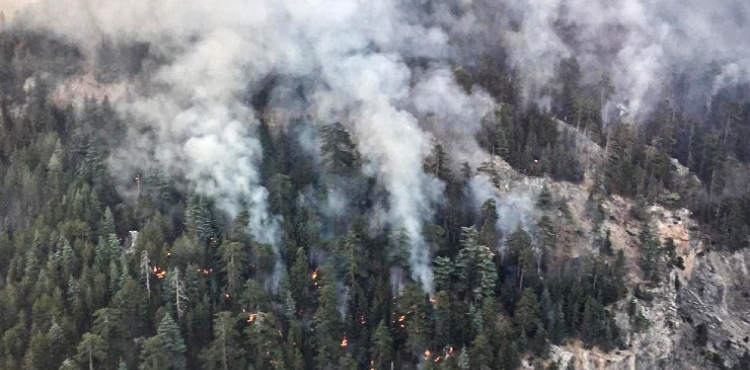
{"x": 438, "y": 163}
{"x": 544, "y": 200}
{"x": 526, "y": 312}
{"x": 91, "y": 350}
{"x": 382, "y": 349}
{"x": 480, "y": 353}
{"x": 548, "y": 232}
{"x": 463, "y": 360}
{"x": 339, "y": 151}
{"x": 488, "y": 234}
{"x": 444, "y": 271}
{"x": 225, "y": 351}
{"x": 145, "y": 270}
{"x": 650, "y": 252}
{"x": 328, "y": 326}
{"x": 175, "y": 290}
{"x": 165, "y": 350}
{"x": 108, "y": 326}
{"x": 475, "y": 265}
{"x": 234, "y": 260}
{"x": 300, "y": 280}
{"x": 443, "y": 319}
{"x": 519, "y": 247}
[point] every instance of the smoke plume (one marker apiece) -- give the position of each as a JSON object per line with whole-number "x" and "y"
{"x": 642, "y": 44}
{"x": 192, "y": 119}
{"x": 381, "y": 68}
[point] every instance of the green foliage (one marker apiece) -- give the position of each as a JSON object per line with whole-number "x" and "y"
{"x": 338, "y": 149}
{"x": 650, "y": 255}
{"x": 475, "y": 266}
{"x": 225, "y": 351}
{"x": 544, "y": 200}
{"x": 73, "y": 296}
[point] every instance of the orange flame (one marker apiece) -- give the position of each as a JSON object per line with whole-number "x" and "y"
{"x": 251, "y": 317}
{"x": 344, "y": 343}
{"x": 427, "y": 354}
{"x": 314, "y": 274}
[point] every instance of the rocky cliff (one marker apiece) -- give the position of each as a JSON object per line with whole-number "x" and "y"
{"x": 697, "y": 316}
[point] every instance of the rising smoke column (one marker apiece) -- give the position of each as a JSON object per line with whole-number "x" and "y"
{"x": 190, "y": 112}
{"x": 361, "y": 54}
{"x": 642, "y": 43}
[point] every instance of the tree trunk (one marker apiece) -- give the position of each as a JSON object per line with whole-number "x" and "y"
{"x": 91, "y": 358}
{"x": 224, "y": 362}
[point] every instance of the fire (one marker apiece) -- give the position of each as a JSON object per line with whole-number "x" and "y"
{"x": 159, "y": 272}
{"x": 433, "y": 300}
{"x": 226, "y": 295}
{"x": 401, "y": 318}
{"x": 344, "y": 343}
{"x": 314, "y": 274}
{"x": 251, "y": 317}
{"x": 427, "y": 354}
{"x": 437, "y": 359}
{"x": 362, "y": 320}
{"x": 169, "y": 254}
{"x": 205, "y": 272}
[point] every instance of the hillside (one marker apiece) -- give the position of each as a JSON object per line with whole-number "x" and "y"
{"x": 383, "y": 186}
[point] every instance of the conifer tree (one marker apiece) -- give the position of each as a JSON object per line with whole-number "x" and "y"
{"x": 225, "y": 351}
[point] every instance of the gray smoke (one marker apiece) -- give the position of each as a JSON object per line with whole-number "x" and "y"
{"x": 515, "y": 207}
{"x": 192, "y": 120}
{"x": 640, "y": 42}
{"x": 359, "y": 57}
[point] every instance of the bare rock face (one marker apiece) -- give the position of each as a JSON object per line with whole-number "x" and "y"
{"x": 698, "y": 316}
{"x": 715, "y": 305}
{"x": 704, "y": 324}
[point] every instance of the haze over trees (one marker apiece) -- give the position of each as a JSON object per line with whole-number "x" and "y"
{"x": 150, "y": 273}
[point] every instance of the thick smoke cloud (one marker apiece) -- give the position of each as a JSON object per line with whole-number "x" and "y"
{"x": 382, "y": 69}
{"x": 195, "y": 124}
{"x": 641, "y": 43}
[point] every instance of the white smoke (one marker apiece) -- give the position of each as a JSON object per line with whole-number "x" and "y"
{"x": 453, "y": 117}
{"x": 192, "y": 119}
{"x": 515, "y": 207}
{"x": 640, "y": 42}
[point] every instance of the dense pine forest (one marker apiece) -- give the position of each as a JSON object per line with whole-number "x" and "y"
{"x": 148, "y": 273}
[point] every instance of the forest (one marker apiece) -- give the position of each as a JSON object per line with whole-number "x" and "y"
{"x": 164, "y": 279}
